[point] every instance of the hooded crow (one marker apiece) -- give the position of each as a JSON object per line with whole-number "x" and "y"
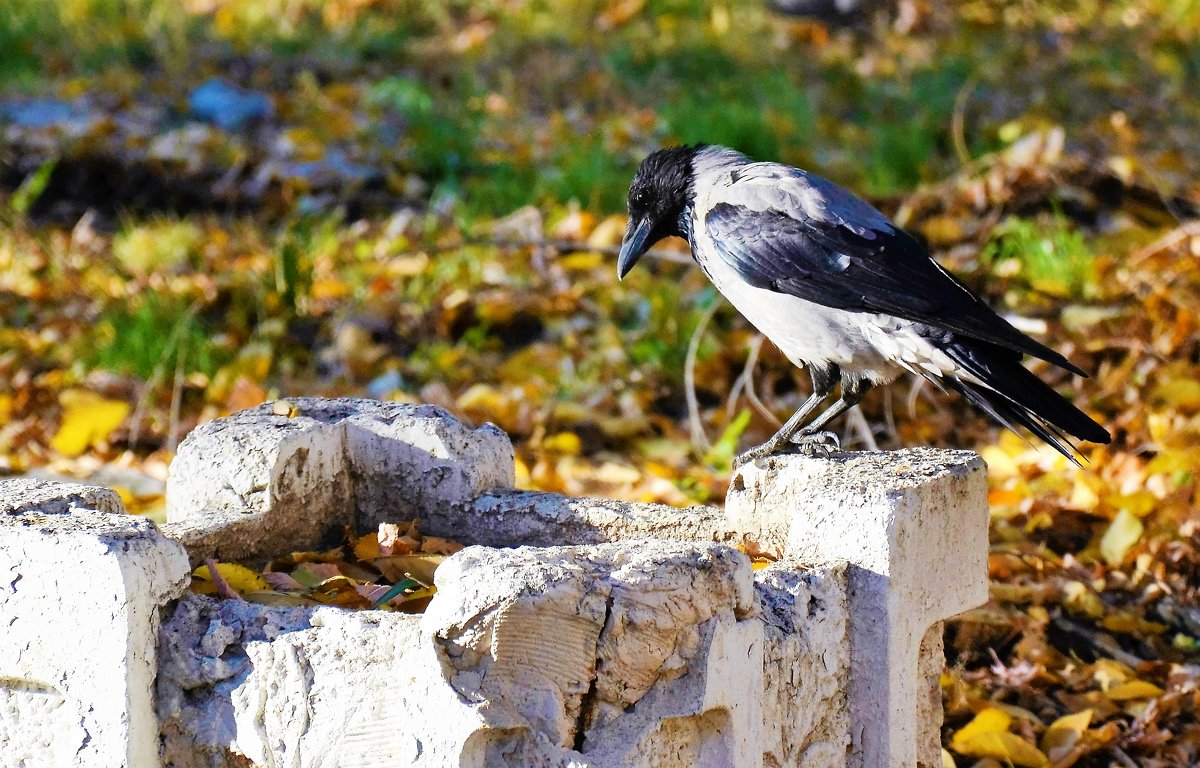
{"x": 842, "y": 291}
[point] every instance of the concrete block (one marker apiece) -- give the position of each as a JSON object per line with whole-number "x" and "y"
{"x": 81, "y": 587}
{"x": 913, "y": 527}
{"x": 535, "y": 656}
{"x": 533, "y": 518}
{"x": 245, "y": 684}
{"x": 806, "y": 663}
{"x": 259, "y": 482}
{"x": 582, "y": 633}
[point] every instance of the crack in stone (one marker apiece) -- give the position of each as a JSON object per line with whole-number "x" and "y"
{"x": 588, "y": 702}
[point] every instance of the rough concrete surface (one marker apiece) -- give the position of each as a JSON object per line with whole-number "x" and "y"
{"x": 534, "y": 518}
{"x": 549, "y": 656}
{"x": 806, "y": 662}
{"x": 913, "y": 527}
{"x": 585, "y": 633}
{"x": 283, "y": 477}
{"x": 244, "y": 684}
{"x": 561, "y": 642}
{"x": 81, "y": 584}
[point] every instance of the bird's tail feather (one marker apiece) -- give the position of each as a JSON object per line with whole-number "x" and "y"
{"x": 1012, "y": 395}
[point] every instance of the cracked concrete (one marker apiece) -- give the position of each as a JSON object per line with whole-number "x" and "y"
{"x": 257, "y": 483}
{"x": 628, "y": 635}
{"x": 78, "y": 657}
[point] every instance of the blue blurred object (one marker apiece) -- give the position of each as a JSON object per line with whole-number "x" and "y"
{"x": 40, "y": 113}
{"x": 386, "y": 384}
{"x": 226, "y": 105}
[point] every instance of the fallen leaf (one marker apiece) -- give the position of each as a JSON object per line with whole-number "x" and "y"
{"x": 987, "y": 736}
{"x": 88, "y": 419}
{"x": 282, "y": 581}
{"x": 239, "y": 577}
{"x": 1063, "y": 733}
{"x": 420, "y": 567}
{"x": 1123, "y": 532}
{"x": 1133, "y": 689}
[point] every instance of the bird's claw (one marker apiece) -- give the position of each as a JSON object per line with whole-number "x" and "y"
{"x": 758, "y": 452}
{"x": 814, "y": 444}
{"x": 817, "y": 443}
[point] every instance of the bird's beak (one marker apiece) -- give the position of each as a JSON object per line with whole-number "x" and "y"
{"x": 635, "y": 243}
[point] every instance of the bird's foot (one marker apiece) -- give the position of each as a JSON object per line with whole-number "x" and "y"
{"x": 817, "y": 443}
{"x": 814, "y": 444}
{"x": 766, "y": 449}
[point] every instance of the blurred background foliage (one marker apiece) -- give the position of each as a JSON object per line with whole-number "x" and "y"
{"x": 208, "y": 203}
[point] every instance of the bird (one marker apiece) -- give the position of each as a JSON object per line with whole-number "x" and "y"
{"x": 843, "y": 292}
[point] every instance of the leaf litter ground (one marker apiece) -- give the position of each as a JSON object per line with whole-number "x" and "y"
{"x": 442, "y": 231}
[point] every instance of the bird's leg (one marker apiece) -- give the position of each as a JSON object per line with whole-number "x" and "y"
{"x": 812, "y": 438}
{"x": 824, "y": 380}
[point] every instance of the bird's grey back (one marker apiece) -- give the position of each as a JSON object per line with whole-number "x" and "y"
{"x": 725, "y": 176}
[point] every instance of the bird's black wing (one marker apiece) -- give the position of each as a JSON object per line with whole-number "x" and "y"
{"x": 841, "y": 253}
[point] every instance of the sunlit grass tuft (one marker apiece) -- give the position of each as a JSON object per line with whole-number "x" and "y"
{"x": 146, "y": 336}
{"x": 1047, "y": 254}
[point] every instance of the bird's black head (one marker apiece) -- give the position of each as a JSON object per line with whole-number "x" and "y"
{"x": 658, "y": 199}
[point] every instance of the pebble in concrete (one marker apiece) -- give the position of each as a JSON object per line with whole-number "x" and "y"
{"x": 81, "y": 589}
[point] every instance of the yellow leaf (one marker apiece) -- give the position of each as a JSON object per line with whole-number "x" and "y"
{"x": 420, "y": 567}
{"x": 1079, "y": 599}
{"x": 987, "y": 736}
{"x": 1180, "y": 393}
{"x": 1131, "y": 624}
{"x": 1005, "y": 746}
{"x": 239, "y": 577}
{"x": 942, "y": 230}
{"x": 1064, "y": 732}
{"x": 999, "y": 462}
{"x": 1134, "y": 689}
{"x": 483, "y": 397}
{"x": 989, "y": 720}
{"x": 1083, "y": 495}
{"x": 563, "y": 442}
{"x": 88, "y": 419}
{"x": 582, "y": 261}
{"x": 1140, "y": 503}
{"x": 1123, "y": 532}
{"x": 1108, "y": 673}
{"x": 947, "y": 760}
{"x": 608, "y": 233}
{"x": 367, "y": 548}
{"x": 329, "y": 288}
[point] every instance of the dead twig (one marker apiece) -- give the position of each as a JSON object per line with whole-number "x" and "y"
{"x": 223, "y": 589}
{"x": 745, "y": 382}
{"x": 857, "y": 423}
{"x": 700, "y": 440}
{"x": 1179, "y": 234}
{"x": 958, "y": 130}
{"x": 176, "y": 399}
{"x": 159, "y": 372}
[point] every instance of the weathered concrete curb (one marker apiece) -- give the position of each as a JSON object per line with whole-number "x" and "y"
{"x": 261, "y": 482}
{"x": 82, "y": 586}
{"x": 913, "y": 526}
{"x": 626, "y": 635}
